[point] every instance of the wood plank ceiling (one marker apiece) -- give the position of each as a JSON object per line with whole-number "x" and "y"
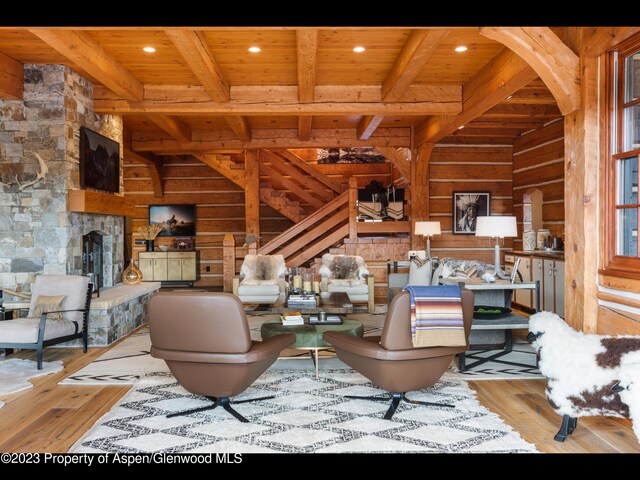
{"x": 204, "y": 91}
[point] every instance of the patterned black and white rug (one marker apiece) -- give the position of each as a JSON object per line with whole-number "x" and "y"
{"x": 306, "y": 415}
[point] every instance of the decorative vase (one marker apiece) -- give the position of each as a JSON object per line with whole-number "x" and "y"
{"x": 149, "y": 245}
{"x": 529, "y": 240}
{"x": 132, "y": 274}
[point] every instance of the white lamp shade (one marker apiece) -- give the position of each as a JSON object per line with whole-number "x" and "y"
{"x": 427, "y": 228}
{"x": 496, "y": 227}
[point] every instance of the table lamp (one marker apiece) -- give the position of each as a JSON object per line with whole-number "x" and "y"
{"x": 497, "y": 227}
{"x": 428, "y": 229}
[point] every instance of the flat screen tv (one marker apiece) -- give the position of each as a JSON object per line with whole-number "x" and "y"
{"x": 177, "y": 220}
{"x": 99, "y": 162}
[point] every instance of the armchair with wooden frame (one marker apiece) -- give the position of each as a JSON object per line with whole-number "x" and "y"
{"x": 58, "y": 312}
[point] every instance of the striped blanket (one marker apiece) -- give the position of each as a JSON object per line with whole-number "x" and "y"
{"x": 436, "y": 316}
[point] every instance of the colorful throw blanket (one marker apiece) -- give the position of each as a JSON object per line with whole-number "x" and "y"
{"x": 436, "y": 316}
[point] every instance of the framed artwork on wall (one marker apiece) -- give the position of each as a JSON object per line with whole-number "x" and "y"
{"x": 467, "y": 207}
{"x": 177, "y": 220}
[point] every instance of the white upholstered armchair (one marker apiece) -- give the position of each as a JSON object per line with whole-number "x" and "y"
{"x": 348, "y": 274}
{"x": 58, "y": 313}
{"x": 261, "y": 280}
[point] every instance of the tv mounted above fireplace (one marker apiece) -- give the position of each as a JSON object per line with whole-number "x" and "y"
{"x": 99, "y": 162}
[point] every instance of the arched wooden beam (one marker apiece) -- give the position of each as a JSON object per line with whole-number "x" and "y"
{"x": 553, "y": 61}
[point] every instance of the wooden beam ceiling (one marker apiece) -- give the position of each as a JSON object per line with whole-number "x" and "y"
{"x": 398, "y": 160}
{"x": 217, "y": 140}
{"x": 279, "y": 100}
{"x": 414, "y": 56}
{"x": 306, "y": 53}
{"x": 503, "y": 76}
{"x": 173, "y": 126}
{"x": 194, "y": 49}
{"x": 83, "y": 50}
{"x": 556, "y": 64}
{"x": 11, "y": 78}
{"x": 368, "y": 125}
{"x": 304, "y": 127}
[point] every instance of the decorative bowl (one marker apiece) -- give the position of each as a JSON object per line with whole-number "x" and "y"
{"x": 164, "y": 248}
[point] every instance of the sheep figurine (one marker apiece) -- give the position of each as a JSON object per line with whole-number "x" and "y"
{"x": 584, "y": 371}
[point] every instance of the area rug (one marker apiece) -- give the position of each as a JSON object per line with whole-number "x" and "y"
{"x": 519, "y": 364}
{"x": 16, "y": 372}
{"x": 130, "y": 360}
{"x": 306, "y": 415}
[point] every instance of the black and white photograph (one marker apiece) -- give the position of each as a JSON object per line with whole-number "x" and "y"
{"x": 467, "y": 207}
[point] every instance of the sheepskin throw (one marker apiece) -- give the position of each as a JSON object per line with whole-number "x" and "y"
{"x": 436, "y": 316}
{"x": 584, "y": 370}
{"x": 262, "y": 267}
{"x": 343, "y": 267}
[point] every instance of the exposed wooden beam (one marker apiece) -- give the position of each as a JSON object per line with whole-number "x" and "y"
{"x": 310, "y": 169}
{"x": 203, "y": 140}
{"x": 173, "y": 126}
{"x": 501, "y": 77}
{"x": 153, "y": 164}
{"x": 240, "y": 127}
{"x": 220, "y": 163}
{"x": 419, "y": 192}
{"x": 252, "y": 193}
{"x": 422, "y": 162}
{"x": 556, "y": 64}
{"x": 414, "y": 55}
{"x": 304, "y": 127}
{"x": 523, "y": 111}
{"x": 283, "y": 100}
{"x": 194, "y": 49}
{"x": 84, "y": 51}
{"x": 398, "y": 160}
{"x": 368, "y": 125}
{"x": 307, "y": 46}
{"x": 11, "y": 78}
{"x": 600, "y": 39}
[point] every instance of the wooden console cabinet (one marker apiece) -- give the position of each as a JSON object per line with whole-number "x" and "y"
{"x": 168, "y": 266}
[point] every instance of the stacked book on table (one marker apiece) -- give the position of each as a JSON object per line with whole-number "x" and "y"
{"x": 301, "y": 301}
{"x": 292, "y": 318}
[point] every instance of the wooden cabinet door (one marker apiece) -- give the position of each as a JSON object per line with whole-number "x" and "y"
{"x": 145, "y": 264}
{"x": 537, "y": 275}
{"x": 559, "y": 290}
{"x": 160, "y": 268}
{"x": 523, "y": 297}
{"x": 548, "y": 291}
{"x": 174, "y": 269}
{"x": 189, "y": 268}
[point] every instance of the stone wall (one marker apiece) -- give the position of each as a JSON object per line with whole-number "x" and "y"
{"x": 37, "y": 234}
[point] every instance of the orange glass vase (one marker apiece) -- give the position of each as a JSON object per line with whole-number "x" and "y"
{"x": 132, "y": 274}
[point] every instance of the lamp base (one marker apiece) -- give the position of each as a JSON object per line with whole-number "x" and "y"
{"x": 497, "y": 271}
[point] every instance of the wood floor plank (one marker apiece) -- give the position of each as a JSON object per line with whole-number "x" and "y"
{"x": 52, "y": 417}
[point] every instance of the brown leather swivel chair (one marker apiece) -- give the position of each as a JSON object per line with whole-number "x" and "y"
{"x": 391, "y": 361}
{"x": 204, "y": 338}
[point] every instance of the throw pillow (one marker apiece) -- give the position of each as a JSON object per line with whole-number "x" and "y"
{"x": 344, "y": 268}
{"x": 419, "y": 272}
{"x": 48, "y": 303}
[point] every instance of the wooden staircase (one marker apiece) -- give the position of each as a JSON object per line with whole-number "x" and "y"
{"x": 292, "y": 187}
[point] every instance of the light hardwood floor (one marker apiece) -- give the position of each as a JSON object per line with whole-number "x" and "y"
{"x": 50, "y": 417}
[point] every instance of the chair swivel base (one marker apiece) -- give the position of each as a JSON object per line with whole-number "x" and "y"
{"x": 225, "y": 403}
{"x": 395, "y": 401}
{"x": 569, "y": 424}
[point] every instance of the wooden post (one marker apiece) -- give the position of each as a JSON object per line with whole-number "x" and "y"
{"x": 228, "y": 261}
{"x": 419, "y": 191}
{"x": 353, "y": 207}
{"x": 581, "y": 134}
{"x": 252, "y": 193}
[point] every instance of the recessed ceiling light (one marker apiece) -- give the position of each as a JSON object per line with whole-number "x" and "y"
{"x": 509, "y": 96}
{"x": 461, "y": 49}
{"x": 460, "y": 127}
{"x": 359, "y": 49}
{"x": 149, "y": 49}
{"x": 254, "y": 49}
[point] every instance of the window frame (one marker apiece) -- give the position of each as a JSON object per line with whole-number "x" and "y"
{"x": 613, "y": 133}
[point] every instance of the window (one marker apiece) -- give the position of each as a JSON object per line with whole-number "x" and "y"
{"x": 621, "y": 175}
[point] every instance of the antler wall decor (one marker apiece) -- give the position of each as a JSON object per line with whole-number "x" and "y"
{"x": 39, "y": 175}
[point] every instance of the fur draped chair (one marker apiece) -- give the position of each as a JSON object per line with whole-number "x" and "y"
{"x": 348, "y": 274}
{"x": 261, "y": 280}
{"x": 587, "y": 375}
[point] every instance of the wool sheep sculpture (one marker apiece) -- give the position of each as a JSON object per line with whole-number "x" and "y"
{"x": 587, "y": 375}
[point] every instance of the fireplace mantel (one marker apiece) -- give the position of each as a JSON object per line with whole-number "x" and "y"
{"x": 89, "y": 201}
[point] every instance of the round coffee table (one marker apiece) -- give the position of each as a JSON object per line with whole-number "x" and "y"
{"x": 310, "y": 337}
